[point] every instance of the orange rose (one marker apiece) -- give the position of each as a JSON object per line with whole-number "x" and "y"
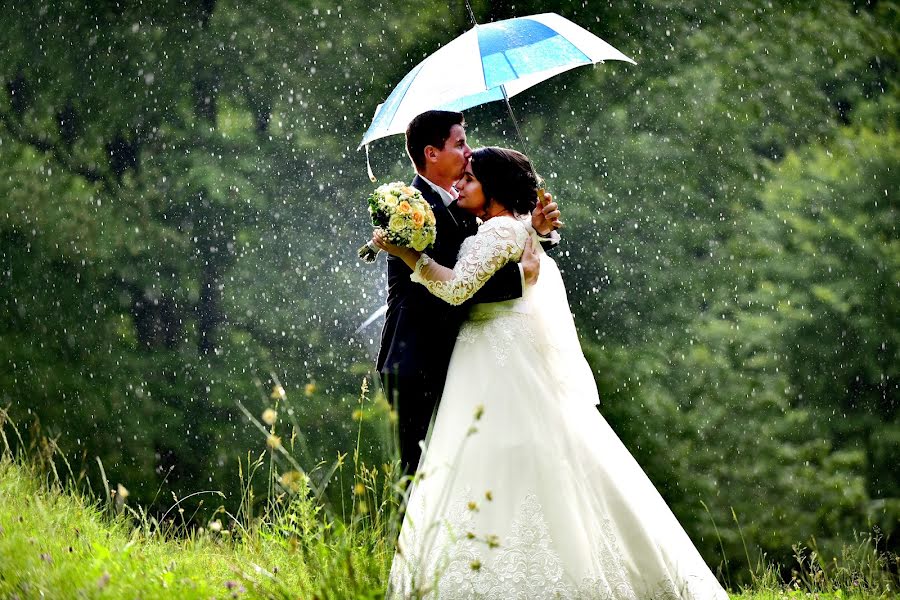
{"x": 404, "y": 208}
{"x": 418, "y": 218}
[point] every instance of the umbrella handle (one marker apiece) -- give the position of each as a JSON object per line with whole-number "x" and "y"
{"x": 543, "y": 202}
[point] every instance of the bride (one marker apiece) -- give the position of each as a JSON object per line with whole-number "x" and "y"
{"x": 524, "y": 490}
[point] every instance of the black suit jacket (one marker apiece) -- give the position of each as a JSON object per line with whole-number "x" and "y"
{"x": 420, "y": 329}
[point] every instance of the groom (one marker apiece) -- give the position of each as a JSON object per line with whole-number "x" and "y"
{"x": 420, "y": 330}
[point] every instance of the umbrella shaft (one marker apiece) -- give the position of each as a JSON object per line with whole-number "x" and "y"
{"x": 522, "y": 142}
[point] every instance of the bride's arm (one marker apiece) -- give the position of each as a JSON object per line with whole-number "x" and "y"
{"x": 407, "y": 255}
{"x": 491, "y": 250}
{"x": 493, "y": 247}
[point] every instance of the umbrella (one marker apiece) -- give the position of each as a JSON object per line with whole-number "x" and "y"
{"x": 489, "y": 62}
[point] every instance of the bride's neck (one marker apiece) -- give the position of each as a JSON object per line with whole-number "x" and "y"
{"x": 496, "y": 210}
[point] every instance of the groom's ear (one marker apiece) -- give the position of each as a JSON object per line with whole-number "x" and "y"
{"x": 431, "y": 153}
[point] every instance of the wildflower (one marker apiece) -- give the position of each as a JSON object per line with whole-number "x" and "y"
{"x": 470, "y": 535}
{"x": 479, "y": 411}
{"x": 121, "y": 491}
{"x": 310, "y": 389}
{"x": 357, "y": 415}
{"x": 291, "y": 480}
{"x": 104, "y": 579}
{"x": 492, "y": 541}
{"x": 363, "y": 508}
{"x": 489, "y": 496}
{"x": 215, "y": 526}
{"x": 269, "y": 416}
{"x": 273, "y": 441}
{"x": 278, "y": 393}
{"x": 473, "y": 506}
{"x": 475, "y": 565}
{"x": 359, "y": 489}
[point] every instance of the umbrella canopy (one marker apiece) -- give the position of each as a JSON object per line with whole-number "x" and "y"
{"x": 489, "y": 62}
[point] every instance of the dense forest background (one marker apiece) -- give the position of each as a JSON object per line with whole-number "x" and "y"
{"x": 182, "y": 197}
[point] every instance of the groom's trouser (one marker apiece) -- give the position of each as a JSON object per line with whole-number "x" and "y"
{"x": 414, "y": 398}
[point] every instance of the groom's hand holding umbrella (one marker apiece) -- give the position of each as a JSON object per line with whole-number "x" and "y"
{"x": 545, "y": 216}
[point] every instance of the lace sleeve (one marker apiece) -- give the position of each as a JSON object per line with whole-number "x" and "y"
{"x": 489, "y": 250}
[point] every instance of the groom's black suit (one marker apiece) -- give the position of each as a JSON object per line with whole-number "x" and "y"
{"x": 420, "y": 329}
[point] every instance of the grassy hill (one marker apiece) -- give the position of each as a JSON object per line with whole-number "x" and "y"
{"x": 59, "y": 543}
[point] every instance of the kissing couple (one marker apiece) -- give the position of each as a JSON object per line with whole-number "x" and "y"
{"x": 523, "y": 489}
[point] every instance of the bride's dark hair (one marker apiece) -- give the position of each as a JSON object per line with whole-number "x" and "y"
{"x": 507, "y": 177}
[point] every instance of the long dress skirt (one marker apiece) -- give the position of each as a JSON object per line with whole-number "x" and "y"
{"x": 524, "y": 490}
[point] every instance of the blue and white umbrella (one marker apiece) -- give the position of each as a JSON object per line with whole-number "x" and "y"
{"x": 489, "y": 62}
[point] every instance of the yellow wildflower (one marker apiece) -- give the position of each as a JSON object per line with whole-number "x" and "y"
{"x": 273, "y": 441}
{"x": 269, "y": 416}
{"x": 278, "y": 393}
{"x": 291, "y": 480}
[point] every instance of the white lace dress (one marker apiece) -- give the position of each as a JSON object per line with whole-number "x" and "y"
{"x": 525, "y": 491}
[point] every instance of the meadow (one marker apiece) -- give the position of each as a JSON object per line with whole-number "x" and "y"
{"x": 59, "y": 539}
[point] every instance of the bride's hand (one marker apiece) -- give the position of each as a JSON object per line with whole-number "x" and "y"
{"x": 408, "y": 255}
{"x": 380, "y": 240}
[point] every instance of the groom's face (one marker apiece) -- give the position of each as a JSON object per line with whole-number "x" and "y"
{"x": 450, "y": 161}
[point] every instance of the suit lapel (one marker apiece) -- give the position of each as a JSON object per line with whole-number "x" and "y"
{"x": 441, "y": 214}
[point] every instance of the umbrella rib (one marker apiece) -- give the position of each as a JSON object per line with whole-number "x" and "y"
{"x": 511, "y": 67}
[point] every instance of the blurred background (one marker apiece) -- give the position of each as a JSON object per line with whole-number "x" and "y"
{"x": 181, "y": 198}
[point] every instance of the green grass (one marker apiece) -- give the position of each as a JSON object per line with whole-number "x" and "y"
{"x": 57, "y": 540}
{"x": 61, "y": 544}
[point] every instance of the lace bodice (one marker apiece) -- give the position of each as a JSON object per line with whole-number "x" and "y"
{"x": 498, "y": 241}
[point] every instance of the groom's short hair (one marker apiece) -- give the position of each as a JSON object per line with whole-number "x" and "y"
{"x": 431, "y": 128}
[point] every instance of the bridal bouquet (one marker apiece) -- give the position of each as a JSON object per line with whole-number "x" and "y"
{"x": 404, "y": 215}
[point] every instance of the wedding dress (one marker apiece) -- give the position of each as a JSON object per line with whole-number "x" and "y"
{"x": 524, "y": 490}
